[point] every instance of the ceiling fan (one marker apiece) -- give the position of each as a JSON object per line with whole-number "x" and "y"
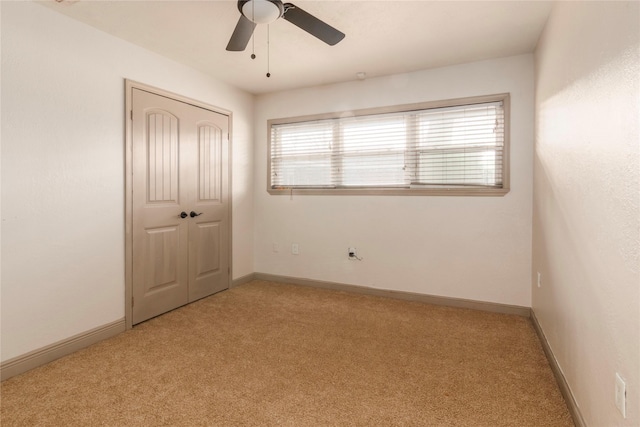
{"x": 255, "y": 12}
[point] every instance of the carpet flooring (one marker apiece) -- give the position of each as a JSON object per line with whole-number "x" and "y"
{"x": 269, "y": 354}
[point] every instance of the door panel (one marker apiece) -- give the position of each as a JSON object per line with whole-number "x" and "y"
{"x": 208, "y": 256}
{"x": 205, "y": 265}
{"x": 162, "y": 258}
{"x": 180, "y": 164}
{"x": 209, "y": 162}
{"x": 162, "y": 152}
{"x": 207, "y": 242}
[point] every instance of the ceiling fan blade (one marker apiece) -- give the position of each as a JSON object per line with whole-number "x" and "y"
{"x": 241, "y": 35}
{"x": 311, "y": 24}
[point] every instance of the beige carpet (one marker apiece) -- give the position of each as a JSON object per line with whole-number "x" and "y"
{"x": 266, "y": 354}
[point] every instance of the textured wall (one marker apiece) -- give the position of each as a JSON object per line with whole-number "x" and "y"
{"x": 586, "y": 201}
{"x": 467, "y": 247}
{"x": 63, "y": 171}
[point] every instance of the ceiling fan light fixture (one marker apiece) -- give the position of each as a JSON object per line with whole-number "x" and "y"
{"x": 254, "y": 12}
{"x": 262, "y": 11}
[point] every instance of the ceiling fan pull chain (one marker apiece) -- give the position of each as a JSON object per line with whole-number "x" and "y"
{"x": 268, "y": 53}
{"x": 253, "y": 47}
{"x": 253, "y": 36}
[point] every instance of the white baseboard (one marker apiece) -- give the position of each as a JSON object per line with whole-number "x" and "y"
{"x": 574, "y": 410}
{"x": 408, "y": 296}
{"x": 44, "y": 355}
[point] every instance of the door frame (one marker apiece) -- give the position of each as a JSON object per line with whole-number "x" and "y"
{"x": 128, "y": 200}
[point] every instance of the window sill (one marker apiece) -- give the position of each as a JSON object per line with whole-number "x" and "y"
{"x": 466, "y": 192}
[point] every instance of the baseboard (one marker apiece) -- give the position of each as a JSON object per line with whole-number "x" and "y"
{"x": 408, "y": 296}
{"x": 574, "y": 410}
{"x": 33, "y": 359}
{"x": 242, "y": 280}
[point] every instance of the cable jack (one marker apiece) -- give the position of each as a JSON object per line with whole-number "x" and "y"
{"x": 353, "y": 255}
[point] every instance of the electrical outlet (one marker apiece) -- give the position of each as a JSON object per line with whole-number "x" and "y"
{"x": 352, "y": 253}
{"x": 276, "y": 247}
{"x": 621, "y": 396}
{"x": 539, "y": 279}
{"x": 295, "y": 249}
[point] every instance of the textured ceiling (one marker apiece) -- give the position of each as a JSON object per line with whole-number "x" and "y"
{"x": 382, "y": 37}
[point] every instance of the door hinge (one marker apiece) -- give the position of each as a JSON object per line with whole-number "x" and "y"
{"x": 133, "y": 301}
{"x": 131, "y": 114}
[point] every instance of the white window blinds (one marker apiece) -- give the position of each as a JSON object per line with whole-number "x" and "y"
{"x": 452, "y": 146}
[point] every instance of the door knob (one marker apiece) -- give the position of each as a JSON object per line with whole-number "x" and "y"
{"x": 193, "y": 214}
{"x": 183, "y": 214}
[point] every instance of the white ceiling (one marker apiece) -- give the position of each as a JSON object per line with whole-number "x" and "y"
{"x": 382, "y": 37}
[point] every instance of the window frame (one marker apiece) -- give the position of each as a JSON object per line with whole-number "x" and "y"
{"x": 421, "y": 190}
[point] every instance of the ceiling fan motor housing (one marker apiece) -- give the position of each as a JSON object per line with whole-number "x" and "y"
{"x": 261, "y": 11}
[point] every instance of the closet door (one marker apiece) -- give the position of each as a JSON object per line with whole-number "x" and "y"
{"x": 208, "y": 214}
{"x": 180, "y": 223}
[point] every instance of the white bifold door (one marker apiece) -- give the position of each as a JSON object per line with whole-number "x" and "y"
{"x": 180, "y": 201}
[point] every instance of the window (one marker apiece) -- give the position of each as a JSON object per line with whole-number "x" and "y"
{"x": 450, "y": 147}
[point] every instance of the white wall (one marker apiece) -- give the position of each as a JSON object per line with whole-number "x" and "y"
{"x": 586, "y": 206}
{"x": 63, "y": 171}
{"x": 467, "y": 247}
